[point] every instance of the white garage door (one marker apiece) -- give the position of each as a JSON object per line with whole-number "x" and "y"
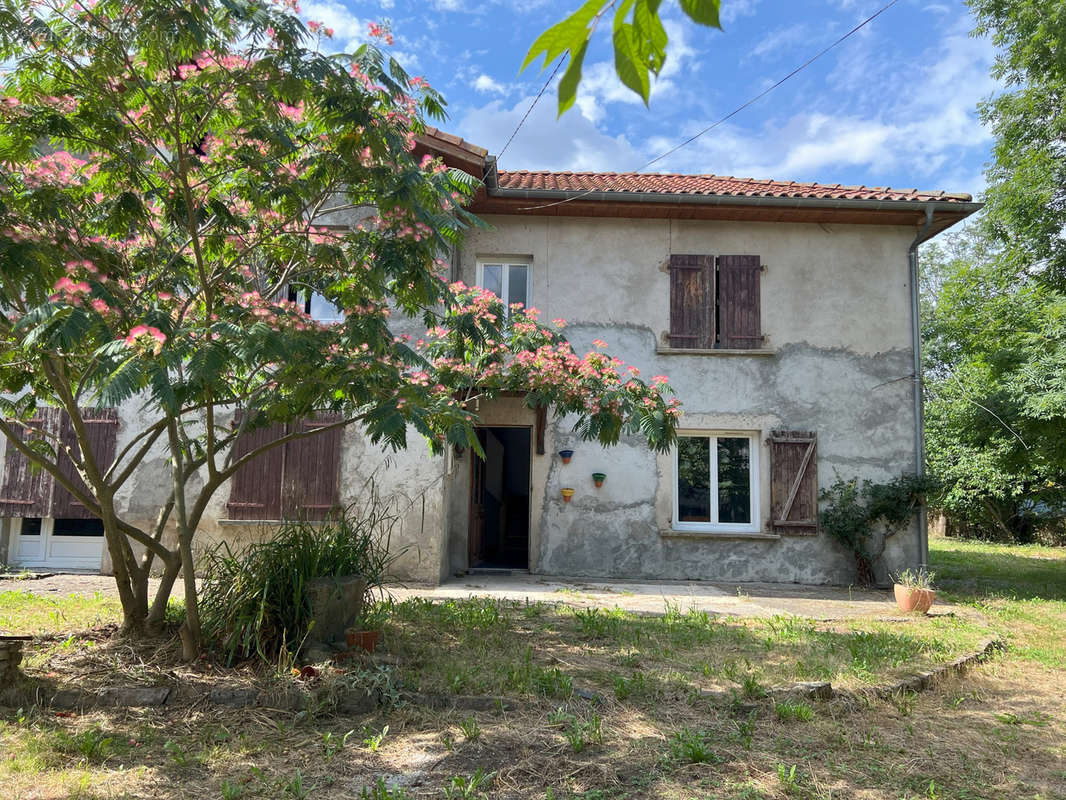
{"x": 57, "y": 543}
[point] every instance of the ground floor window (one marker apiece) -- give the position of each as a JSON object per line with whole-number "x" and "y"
{"x": 716, "y": 485}
{"x": 57, "y": 542}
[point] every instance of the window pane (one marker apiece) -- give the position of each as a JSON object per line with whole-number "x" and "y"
{"x": 78, "y": 527}
{"x": 516, "y": 286}
{"x": 31, "y": 526}
{"x": 693, "y": 479}
{"x": 492, "y": 279}
{"x": 734, "y": 480}
{"x": 322, "y": 310}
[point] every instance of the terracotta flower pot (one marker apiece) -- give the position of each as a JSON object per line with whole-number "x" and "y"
{"x": 566, "y": 455}
{"x": 365, "y": 640}
{"x": 598, "y": 478}
{"x": 910, "y": 599}
{"x": 567, "y": 494}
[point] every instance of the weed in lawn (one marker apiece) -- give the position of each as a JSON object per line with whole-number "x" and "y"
{"x": 788, "y": 778}
{"x": 463, "y": 787}
{"x": 751, "y": 688}
{"x": 333, "y": 744}
{"x": 179, "y": 755}
{"x": 560, "y": 716}
{"x": 692, "y": 747}
{"x": 581, "y": 734}
{"x": 794, "y": 712}
{"x": 746, "y": 729}
{"x": 92, "y": 745}
{"x": 371, "y": 740}
{"x": 471, "y": 730}
{"x": 381, "y": 791}
{"x": 636, "y": 686}
{"x": 295, "y": 787}
{"x": 230, "y": 790}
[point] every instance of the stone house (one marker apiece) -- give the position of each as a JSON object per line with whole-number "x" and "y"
{"x": 784, "y": 314}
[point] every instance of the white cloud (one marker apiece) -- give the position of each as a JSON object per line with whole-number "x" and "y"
{"x": 781, "y": 39}
{"x": 571, "y": 143}
{"x": 732, "y": 10}
{"x": 349, "y": 31}
{"x": 488, "y": 85}
{"x": 918, "y": 121}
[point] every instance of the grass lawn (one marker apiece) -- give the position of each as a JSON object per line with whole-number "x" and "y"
{"x": 998, "y": 733}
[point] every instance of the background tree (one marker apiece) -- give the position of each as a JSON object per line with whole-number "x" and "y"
{"x": 165, "y": 169}
{"x": 993, "y": 303}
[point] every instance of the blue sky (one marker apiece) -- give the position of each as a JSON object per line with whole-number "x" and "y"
{"x": 894, "y": 105}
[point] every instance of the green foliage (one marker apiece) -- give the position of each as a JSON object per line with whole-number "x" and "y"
{"x": 794, "y": 712}
{"x": 915, "y": 578}
{"x": 995, "y": 357}
{"x": 692, "y": 747}
{"x": 638, "y": 38}
{"x": 468, "y": 787}
{"x": 255, "y": 602}
{"x": 852, "y": 511}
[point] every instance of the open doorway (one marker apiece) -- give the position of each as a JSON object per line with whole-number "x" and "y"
{"x": 499, "y": 500}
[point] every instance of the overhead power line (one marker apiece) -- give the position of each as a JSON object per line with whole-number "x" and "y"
{"x": 717, "y": 122}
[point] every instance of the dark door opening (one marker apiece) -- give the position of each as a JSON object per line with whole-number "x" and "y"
{"x": 499, "y": 500}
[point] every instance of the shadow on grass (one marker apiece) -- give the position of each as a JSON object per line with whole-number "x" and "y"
{"x": 974, "y": 571}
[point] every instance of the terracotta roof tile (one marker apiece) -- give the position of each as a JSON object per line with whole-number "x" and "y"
{"x": 656, "y": 183}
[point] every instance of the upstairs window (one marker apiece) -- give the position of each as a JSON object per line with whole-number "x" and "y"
{"x": 507, "y": 279}
{"x": 715, "y": 302}
{"x": 315, "y": 305}
{"x": 716, "y": 484}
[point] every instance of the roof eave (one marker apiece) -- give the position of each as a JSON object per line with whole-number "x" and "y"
{"x": 956, "y": 210}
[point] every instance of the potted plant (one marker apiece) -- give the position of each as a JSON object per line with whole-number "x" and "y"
{"x": 567, "y": 493}
{"x": 598, "y": 478}
{"x": 914, "y": 590}
{"x": 366, "y": 632}
{"x": 566, "y": 455}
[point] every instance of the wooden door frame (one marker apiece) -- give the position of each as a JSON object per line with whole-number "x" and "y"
{"x": 529, "y": 509}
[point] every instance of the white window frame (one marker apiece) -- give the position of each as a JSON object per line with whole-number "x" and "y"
{"x": 755, "y": 525}
{"x": 505, "y": 282}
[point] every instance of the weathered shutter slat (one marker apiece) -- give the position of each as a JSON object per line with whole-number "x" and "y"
{"x": 27, "y": 492}
{"x": 312, "y": 466}
{"x": 255, "y": 488}
{"x": 794, "y": 482}
{"x": 101, "y": 426}
{"x": 740, "y": 324}
{"x": 691, "y": 301}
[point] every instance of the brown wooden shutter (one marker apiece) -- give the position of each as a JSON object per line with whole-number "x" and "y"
{"x": 101, "y": 426}
{"x": 255, "y": 488}
{"x": 692, "y": 301}
{"x": 27, "y": 492}
{"x": 738, "y": 302}
{"x": 312, "y": 465}
{"x": 794, "y": 482}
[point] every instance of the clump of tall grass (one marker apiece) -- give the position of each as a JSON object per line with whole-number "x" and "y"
{"x": 254, "y": 602}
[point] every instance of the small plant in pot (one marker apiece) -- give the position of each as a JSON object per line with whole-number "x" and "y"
{"x": 914, "y": 590}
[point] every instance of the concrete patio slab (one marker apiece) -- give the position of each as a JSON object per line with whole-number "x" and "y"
{"x": 653, "y": 597}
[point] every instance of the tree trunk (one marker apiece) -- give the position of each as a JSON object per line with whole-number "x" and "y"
{"x": 190, "y": 631}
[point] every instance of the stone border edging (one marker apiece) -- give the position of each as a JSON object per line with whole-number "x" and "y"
{"x": 295, "y": 700}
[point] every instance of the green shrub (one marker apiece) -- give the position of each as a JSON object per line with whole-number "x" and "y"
{"x": 255, "y": 603}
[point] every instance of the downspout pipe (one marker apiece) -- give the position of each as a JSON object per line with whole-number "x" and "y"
{"x": 919, "y": 411}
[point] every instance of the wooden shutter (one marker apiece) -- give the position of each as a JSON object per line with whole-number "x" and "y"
{"x": 255, "y": 488}
{"x": 738, "y": 302}
{"x": 794, "y": 482}
{"x": 27, "y": 492}
{"x": 692, "y": 301}
{"x": 101, "y": 426}
{"x": 312, "y": 465}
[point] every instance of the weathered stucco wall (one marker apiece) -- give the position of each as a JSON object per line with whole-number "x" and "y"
{"x": 836, "y": 315}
